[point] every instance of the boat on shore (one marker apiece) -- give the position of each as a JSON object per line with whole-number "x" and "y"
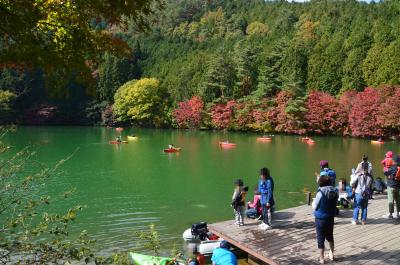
{"x": 141, "y": 259}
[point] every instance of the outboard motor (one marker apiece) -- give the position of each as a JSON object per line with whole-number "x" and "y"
{"x": 199, "y": 231}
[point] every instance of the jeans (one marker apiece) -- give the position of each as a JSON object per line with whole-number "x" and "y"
{"x": 360, "y": 202}
{"x": 324, "y": 228}
{"x": 251, "y": 213}
{"x": 393, "y": 199}
{"x": 239, "y": 213}
{"x": 266, "y": 212}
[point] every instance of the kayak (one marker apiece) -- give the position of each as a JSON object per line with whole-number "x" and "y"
{"x": 131, "y": 138}
{"x": 305, "y": 139}
{"x": 264, "y": 139}
{"x": 141, "y": 259}
{"x": 172, "y": 150}
{"x": 225, "y": 144}
{"x": 119, "y": 129}
{"x": 377, "y": 142}
{"x": 310, "y": 141}
{"x": 116, "y": 142}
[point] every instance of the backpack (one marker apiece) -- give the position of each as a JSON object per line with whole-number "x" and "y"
{"x": 237, "y": 201}
{"x": 365, "y": 191}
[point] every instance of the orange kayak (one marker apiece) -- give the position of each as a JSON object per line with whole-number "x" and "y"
{"x": 310, "y": 141}
{"x": 225, "y": 144}
{"x": 377, "y": 142}
{"x": 264, "y": 139}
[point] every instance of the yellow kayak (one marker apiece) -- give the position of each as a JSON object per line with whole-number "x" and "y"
{"x": 131, "y": 138}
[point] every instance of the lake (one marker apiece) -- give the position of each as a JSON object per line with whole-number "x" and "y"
{"x": 127, "y": 187}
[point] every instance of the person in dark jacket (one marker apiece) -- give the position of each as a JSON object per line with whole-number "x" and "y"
{"x": 393, "y": 189}
{"x": 324, "y": 206}
{"x": 266, "y": 189}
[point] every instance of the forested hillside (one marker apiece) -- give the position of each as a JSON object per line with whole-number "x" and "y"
{"x": 245, "y": 65}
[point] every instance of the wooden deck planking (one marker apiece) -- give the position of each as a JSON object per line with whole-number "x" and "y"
{"x": 293, "y": 239}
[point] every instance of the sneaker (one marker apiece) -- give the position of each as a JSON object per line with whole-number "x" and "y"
{"x": 397, "y": 216}
{"x": 363, "y": 222}
{"x": 354, "y": 222}
{"x": 388, "y": 216}
{"x": 266, "y": 227}
{"x": 261, "y": 225}
{"x": 331, "y": 257}
{"x": 241, "y": 224}
{"x": 321, "y": 260}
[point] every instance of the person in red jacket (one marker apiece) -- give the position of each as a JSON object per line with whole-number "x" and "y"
{"x": 388, "y": 162}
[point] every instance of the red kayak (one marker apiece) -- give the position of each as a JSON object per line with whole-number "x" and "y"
{"x": 119, "y": 129}
{"x": 227, "y": 144}
{"x": 264, "y": 139}
{"x": 117, "y": 142}
{"x": 305, "y": 139}
{"x": 172, "y": 150}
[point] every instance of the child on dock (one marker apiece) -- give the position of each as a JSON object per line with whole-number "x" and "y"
{"x": 266, "y": 188}
{"x": 324, "y": 207}
{"x": 238, "y": 201}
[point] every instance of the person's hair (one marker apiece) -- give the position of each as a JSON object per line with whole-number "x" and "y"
{"x": 256, "y": 191}
{"x": 264, "y": 172}
{"x": 343, "y": 180}
{"x": 246, "y": 188}
{"x": 365, "y": 158}
{"x": 324, "y": 181}
{"x": 238, "y": 182}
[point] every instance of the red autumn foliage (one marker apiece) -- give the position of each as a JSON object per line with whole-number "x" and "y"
{"x": 287, "y": 115}
{"x": 188, "y": 113}
{"x": 389, "y": 114}
{"x": 364, "y": 113}
{"x": 222, "y": 114}
{"x": 324, "y": 114}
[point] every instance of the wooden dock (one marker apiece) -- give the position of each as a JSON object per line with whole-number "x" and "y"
{"x": 293, "y": 239}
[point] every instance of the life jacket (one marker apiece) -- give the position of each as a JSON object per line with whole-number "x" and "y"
{"x": 327, "y": 205}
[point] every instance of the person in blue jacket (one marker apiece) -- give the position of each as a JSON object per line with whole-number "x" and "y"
{"x": 266, "y": 189}
{"x": 328, "y": 171}
{"x": 324, "y": 206}
{"x": 223, "y": 256}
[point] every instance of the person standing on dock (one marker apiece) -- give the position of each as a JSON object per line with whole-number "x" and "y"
{"x": 393, "y": 189}
{"x": 361, "y": 185}
{"x": 238, "y": 201}
{"x": 266, "y": 189}
{"x": 324, "y": 207}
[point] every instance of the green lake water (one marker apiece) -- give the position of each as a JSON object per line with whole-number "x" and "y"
{"x": 125, "y": 188}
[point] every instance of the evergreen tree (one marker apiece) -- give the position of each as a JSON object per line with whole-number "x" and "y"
{"x": 269, "y": 81}
{"x": 218, "y": 79}
{"x": 244, "y": 59}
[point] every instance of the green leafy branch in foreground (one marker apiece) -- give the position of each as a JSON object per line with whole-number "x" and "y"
{"x": 30, "y": 234}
